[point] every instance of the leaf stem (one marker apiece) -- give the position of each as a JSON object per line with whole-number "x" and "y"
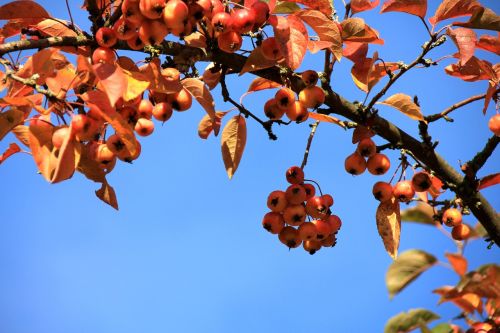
{"x": 309, "y": 142}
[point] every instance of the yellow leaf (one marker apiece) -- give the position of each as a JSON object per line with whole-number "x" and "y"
{"x": 389, "y": 225}
{"x": 233, "y": 140}
{"x": 405, "y": 104}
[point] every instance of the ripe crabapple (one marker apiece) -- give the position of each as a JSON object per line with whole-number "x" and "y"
{"x": 460, "y": 232}
{"x": 295, "y": 194}
{"x": 181, "y": 101}
{"x": 316, "y": 207}
{"x": 310, "y": 77}
{"x": 285, "y": 98}
{"x": 103, "y": 55}
{"x": 106, "y": 37}
{"x": 294, "y": 215}
{"x": 145, "y": 109}
{"x": 421, "y": 181}
{"x": 297, "y": 112}
{"x": 162, "y": 111}
{"x": 329, "y": 241}
{"x": 144, "y": 127}
{"x": 175, "y": 13}
{"x": 307, "y": 231}
{"x": 382, "y": 191}
{"x": 271, "y": 49}
{"x": 327, "y": 199}
{"x": 323, "y": 229}
{"x": 494, "y": 124}
{"x": 276, "y": 201}
{"x": 378, "y": 164}
{"x": 290, "y": 237}
{"x": 272, "y": 111}
{"x": 335, "y": 223}
{"x": 103, "y": 155}
{"x": 355, "y": 164}
{"x": 132, "y": 12}
{"x": 243, "y": 20}
{"x": 222, "y": 22}
{"x": 310, "y": 190}
{"x": 229, "y": 41}
{"x": 452, "y": 217}
{"x": 152, "y": 9}
{"x": 135, "y": 43}
{"x": 273, "y": 222}
{"x": 403, "y": 191}
{"x": 294, "y": 175}
{"x": 59, "y": 136}
{"x": 312, "y": 246}
{"x": 261, "y": 10}
{"x": 366, "y": 147}
{"x": 312, "y": 97}
{"x": 124, "y": 29}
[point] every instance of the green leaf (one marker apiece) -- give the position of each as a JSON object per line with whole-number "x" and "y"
{"x": 285, "y": 7}
{"x": 406, "y": 268}
{"x": 442, "y": 328}
{"x": 421, "y": 213}
{"x": 408, "y": 321}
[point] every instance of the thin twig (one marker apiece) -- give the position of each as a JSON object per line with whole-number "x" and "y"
{"x": 455, "y": 106}
{"x": 309, "y": 142}
{"x": 70, "y": 16}
{"x": 426, "y": 26}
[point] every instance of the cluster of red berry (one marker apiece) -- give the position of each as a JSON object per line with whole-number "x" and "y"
{"x": 290, "y": 209}
{"x": 285, "y": 102}
{"x": 366, "y": 157}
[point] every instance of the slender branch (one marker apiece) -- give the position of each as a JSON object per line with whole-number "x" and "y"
{"x": 70, "y": 15}
{"x": 426, "y": 26}
{"x": 473, "y": 166}
{"x": 452, "y": 108}
{"x": 433, "y": 42}
{"x": 44, "y": 43}
{"x": 309, "y": 142}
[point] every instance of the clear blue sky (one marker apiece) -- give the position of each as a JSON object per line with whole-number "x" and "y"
{"x": 187, "y": 253}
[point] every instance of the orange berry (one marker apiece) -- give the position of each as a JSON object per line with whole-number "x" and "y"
{"x": 273, "y": 222}
{"x": 295, "y": 194}
{"x": 310, "y": 77}
{"x": 312, "y": 97}
{"x": 382, "y": 191}
{"x": 452, "y": 217}
{"x": 59, "y": 136}
{"x": 403, "y": 191}
{"x": 312, "y": 246}
{"x": 366, "y": 147}
{"x": 229, "y": 41}
{"x": 144, "y": 127}
{"x": 310, "y": 190}
{"x": 323, "y": 229}
{"x": 421, "y": 181}
{"x": 460, "y": 232}
{"x": 295, "y": 175}
{"x": 297, "y": 112}
{"x": 335, "y": 223}
{"x": 276, "y": 201}
{"x": 355, "y": 164}
{"x": 316, "y": 207}
{"x": 285, "y": 98}
{"x": 378, "y": 164}
{"x": 181, "y": 101}
{"x": 271, "y": 49}
{"x": 294, "y": 215}
{"x": 329, "y": 241}
{"x": 307, "y": 231}
{"x": 290, "y": 237}
{"x": 327, "y": 199}
{"x": 162, "y": 111}
{"x": 494, "y": 124}
{"x": 272, "y": 111}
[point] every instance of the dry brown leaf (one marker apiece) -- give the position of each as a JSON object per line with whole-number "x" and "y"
{"x": 233, "y": 140}
{"x": 389, "y": 225}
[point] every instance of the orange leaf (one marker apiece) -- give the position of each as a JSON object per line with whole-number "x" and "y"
{"x": 201, "y": 93}
{"x": 196, "y": 39}
{"x": 355, "y": 29}
{"x": 13, "y": 148}
{"x": 211, "y": 77}
{"x": 389, "y": 225}
{"x": 362, "y": 5}
{"x": 453, "y": 8}
{"x": 158, "y": 83}
{"x": 66, "y": 159}
{"x": 458, "y": 262}
{"x": 314, "y": 46}
{"x": 474, "y": 70}
{"x": 98, "y": 101}
{"x": 327, "y": 30}
{"x": 63, "y": 80}
{"x": 482, "y": 18}
{"x": 207, "y": 125}
{"x": 14, "y": 27}
{"x": 10, "y": 119}
{"x": 413, "y": 7}
{"x": 436, "y": 188}
{"x": 326, "y": 118}
{"x": 89, "y": 166}
{"x": 404, "y": 104}
{"x": 465, "y": 40}
{"x": 488, "y": 181}
{"x": 55, "y": 28}
{"x": 233, "y": 140}
{"x": 107, "y": 194}
{"x": 492, "y": 87}
{"x": 324, "y": 6}
{"x": 489, "y": 43}
{"x": 22, "y": 9}
{"x": 294, "y": 49}
{"x": 256, "y": 61}
{"x": 40, "y": 139}
{"x": 22, "y": 134}
{"x": 468, "y": 302}
{"x": 261, "y": 84}
{"x": 355, "y": 51}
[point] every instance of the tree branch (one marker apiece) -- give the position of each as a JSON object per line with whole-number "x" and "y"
{"x": 452, "y": 108}
{"x": 479, "y": 206}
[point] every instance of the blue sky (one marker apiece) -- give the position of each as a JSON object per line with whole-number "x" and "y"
{"x": 187, "y": 253}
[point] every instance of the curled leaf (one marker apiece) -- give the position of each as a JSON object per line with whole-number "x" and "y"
{"x": 233, "y": 140}
{"x": 458, "y": 263}
{"x": 482, "y": 18}
{"x": 207, "y": 125}
{"x": 488, "y": 181}
{"x": 107, "y": 194}
{"x": 465, "y": 40}
{"x": 389, "y": 225}
{"x": 261, "y": 84}
{"x": 489, "y": 43}
{"x": 408, "y": 321}
{"x": 326, "y": 118}
{"x": 22, "y": 9}
{"x": 404, "y": 104}
{"x": 358, "y": 6}
{"x": 421, "y": 213}
{"x": 453, "y": 8}
{"x": 13, "y": 148}
{"x": 255, "y": 61}
{"x": 406, "y": 268}
{"x": 10, "y": 119}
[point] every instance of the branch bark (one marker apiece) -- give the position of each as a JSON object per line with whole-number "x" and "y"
{"x": 477, "y": 203}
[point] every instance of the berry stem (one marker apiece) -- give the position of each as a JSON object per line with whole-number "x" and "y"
{"x": 315, "y": 183}
{"x": 309, "y": 142}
